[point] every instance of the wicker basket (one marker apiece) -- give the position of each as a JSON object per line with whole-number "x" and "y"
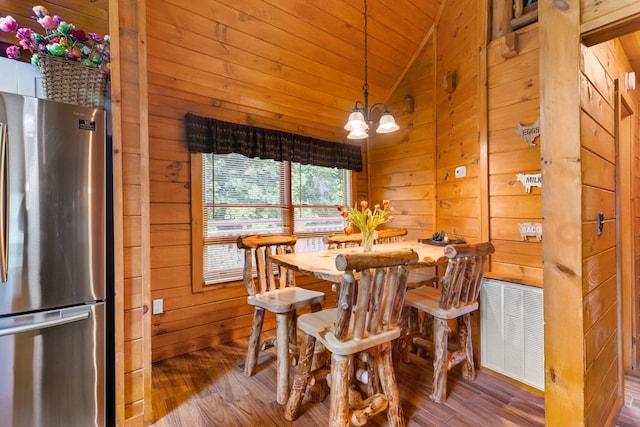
{"x": 71, "y": 82}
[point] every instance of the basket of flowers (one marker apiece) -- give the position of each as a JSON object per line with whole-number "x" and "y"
{"x": 74, "y": 65}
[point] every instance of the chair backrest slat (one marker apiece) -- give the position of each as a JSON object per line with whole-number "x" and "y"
{"x": 257, "y": 249}
{"x": 387, "y": 235}
{"x": 463, "y": 277}
{"x": 380, "y": 287}
{"x": 340, "y": 240}
{"x": 391, "y": 235}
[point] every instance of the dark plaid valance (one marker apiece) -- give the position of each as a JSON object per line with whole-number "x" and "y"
{"x": 207, "y": 135}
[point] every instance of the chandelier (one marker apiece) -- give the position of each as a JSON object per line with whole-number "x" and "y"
{"x": 361, "y": 116}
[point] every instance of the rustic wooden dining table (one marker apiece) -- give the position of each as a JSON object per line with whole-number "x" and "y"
{"x": 322, "y": 264}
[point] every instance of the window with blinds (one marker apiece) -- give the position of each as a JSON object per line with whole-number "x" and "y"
{"x": 242, "y": 195}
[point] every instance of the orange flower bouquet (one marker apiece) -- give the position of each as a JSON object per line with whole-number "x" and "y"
{"x": 366, "y": 220}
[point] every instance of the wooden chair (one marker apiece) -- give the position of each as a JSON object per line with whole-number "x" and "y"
{"x": 366, "y": 326}
{"x": 340, "y": 240}
{"x": 455, "y": 298}
{"x": 391, "y": 235}
{"x": 276, "y": 293}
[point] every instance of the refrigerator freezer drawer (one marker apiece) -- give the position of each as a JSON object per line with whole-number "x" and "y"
{"x": 52, "y": 368}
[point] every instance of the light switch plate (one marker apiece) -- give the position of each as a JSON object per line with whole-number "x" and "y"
{"x": 461, "y": 171}
{"x": 157, "y": 306}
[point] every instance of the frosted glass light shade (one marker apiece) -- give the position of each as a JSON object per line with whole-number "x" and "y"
{"x": 356, "y": 121}
{"x": 360, "y": 133}
{"x": 387, "y": 124}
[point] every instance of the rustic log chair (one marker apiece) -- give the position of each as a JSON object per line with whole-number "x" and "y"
{"x": 391, "y": 235}
{"x": 341, "y": 240}
{"x": 364, "y": 327}
{"x": 276, "y": 293}
{"x": 455, "y": 298}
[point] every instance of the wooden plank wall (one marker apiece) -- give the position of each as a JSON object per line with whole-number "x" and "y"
{"x": 457, "y": 120}
{"x": 602, "y": 64}
{"x": 131, "y": 214}
{"x": 635, "y": 212}
{"x": 191, "y": 320}
{"x": 599, "y": 272}
{"x": 598, "y": 13}
{"x": 514, "y": 98}
{"x": 402, "y": 163}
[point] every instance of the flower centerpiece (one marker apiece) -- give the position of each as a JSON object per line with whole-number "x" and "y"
{"x": 60, "y": 51}
{"x": 366, "y": 220}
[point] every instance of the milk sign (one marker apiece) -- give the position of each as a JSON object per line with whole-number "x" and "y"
{"x": 530, "y": 180}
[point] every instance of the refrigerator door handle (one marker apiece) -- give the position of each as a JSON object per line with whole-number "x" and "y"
{"x": 4, "y": 206}
{"x": 13, "y": 330}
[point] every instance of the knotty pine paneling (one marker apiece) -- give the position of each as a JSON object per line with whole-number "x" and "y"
{"x": 402, "y": 163}
{"x": 600, "y": 66}
{"x": 459, "y": 39}
{"x": 514, "y": 99}
{"x": 594, "y": 14}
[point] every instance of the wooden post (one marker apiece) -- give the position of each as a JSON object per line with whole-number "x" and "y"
{"x": 254, "y": 342}
{"x": 440, "y": 360}
{"x": 301, "y": 378}
{"x": 384, "y": 362}
{"x": 559, "y": 26}
{"x": 282, "y": 367}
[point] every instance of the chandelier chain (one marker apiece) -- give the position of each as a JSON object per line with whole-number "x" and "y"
{"x": 366, "y": 50}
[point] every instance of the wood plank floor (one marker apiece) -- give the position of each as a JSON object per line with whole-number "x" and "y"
{"x": 206, "y": 388}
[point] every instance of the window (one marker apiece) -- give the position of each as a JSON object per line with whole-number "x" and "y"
{"x": 241, "y": 195}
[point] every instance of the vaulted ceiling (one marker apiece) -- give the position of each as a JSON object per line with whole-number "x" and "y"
{"x": 296, "y": 63}
{"x": 299, "y": 60}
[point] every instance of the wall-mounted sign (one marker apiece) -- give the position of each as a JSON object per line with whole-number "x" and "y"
{"x": 533, "y": 229}
{"x": 529, "y": 133}
{"x": 530, "y": 180}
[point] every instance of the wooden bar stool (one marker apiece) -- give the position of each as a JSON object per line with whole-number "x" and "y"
{"x": 364, "y": 326}
{"x": 455, "y": 298}
{"x": 273, "y": 290}
{"x": 340, "y": 240}
{"x": 391, "y": 235}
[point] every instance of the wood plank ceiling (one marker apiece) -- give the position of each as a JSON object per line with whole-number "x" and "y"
{"x": 296, "y": 62}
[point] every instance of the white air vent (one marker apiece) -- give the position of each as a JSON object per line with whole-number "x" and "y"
{"x": 512, "y": 331}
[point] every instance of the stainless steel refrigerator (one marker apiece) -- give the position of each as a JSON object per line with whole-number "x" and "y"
{"x": 52, "y": 263}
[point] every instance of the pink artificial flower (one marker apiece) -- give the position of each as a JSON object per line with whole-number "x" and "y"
{"x": 25, "y": 43}
{"x": 24, "y": 33}
{"x": 8, "y": 24}
{"x": 95, "y": 37}
{"x": 13, "y": 52}
{"x": 48, "y": 23}
{"x": 25, "y": 38}
{"x": 39, "y": 11}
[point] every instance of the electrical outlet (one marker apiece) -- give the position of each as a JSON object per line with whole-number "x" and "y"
{"x": 461, "y": 171}
{"x": 157, "y": 306}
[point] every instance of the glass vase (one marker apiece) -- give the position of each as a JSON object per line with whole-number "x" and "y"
{"x": 368, "y": 237}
